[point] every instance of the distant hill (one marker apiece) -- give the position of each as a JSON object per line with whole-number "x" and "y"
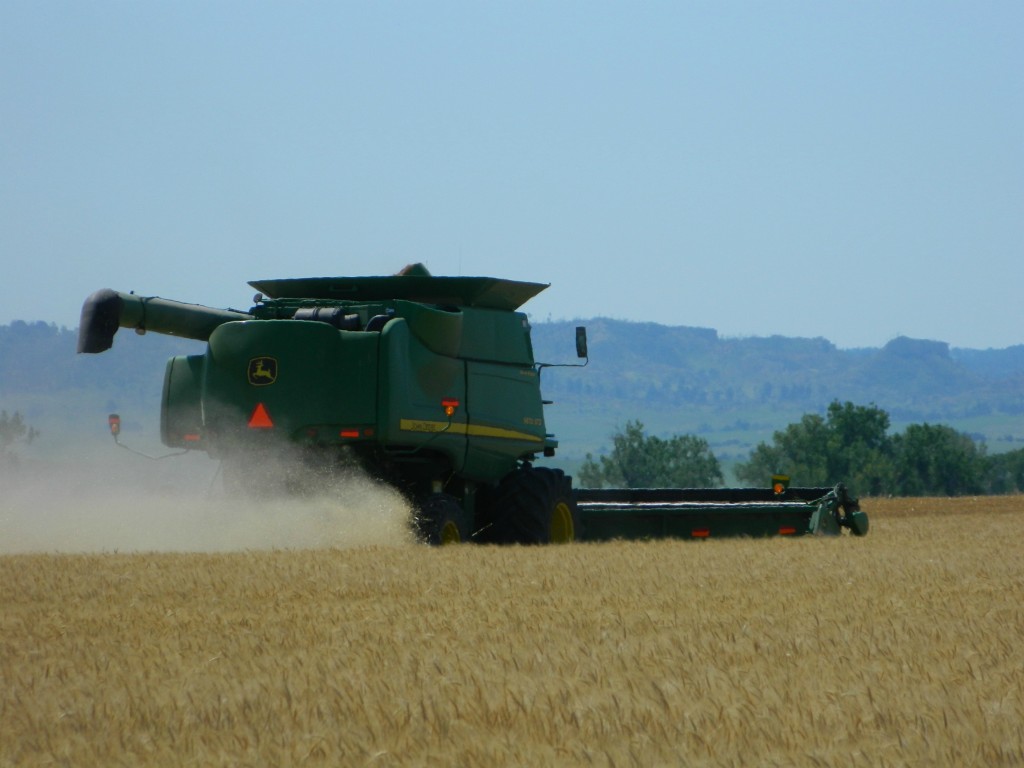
{"x": 68, "y": 396}
{"x": 911, "y": 378}
{"x": 737, "y": 391}
{"x": 733, "y": 391}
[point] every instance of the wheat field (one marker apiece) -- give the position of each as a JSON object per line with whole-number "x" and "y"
{"x": 901, "y": 648}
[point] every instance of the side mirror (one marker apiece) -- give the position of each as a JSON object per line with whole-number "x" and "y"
{"x": 581, "y": 342}
{"x": 581, "y": 351}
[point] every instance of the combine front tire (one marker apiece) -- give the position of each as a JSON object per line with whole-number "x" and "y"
{"x": 533, "y": 506}
{"x": 440, "y": 520}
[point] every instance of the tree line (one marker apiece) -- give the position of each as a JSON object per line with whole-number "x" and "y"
{"x": 13, "y": 429}
{"x": 850, "y": 444}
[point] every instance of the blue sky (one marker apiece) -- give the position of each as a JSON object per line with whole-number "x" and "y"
{"x": 847, "y": 170}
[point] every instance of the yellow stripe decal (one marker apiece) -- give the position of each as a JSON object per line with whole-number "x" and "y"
{"x": 460, "y": 428}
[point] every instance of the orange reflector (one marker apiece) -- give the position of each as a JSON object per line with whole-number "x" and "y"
{"x": 260, "y": 419}
{"x": 449, "y": 404}
{"x": 700, "y": 533}
{"x": 787, "y": 531}
{"x": 350, "y": 433}
{"x": 191, "y": 437}
{"x": 779, "y": 484}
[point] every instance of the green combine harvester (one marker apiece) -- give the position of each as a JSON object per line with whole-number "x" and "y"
{"x": 429, "y": 384}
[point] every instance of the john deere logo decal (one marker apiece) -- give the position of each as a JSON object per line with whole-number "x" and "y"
{"x": 262, "y": 371}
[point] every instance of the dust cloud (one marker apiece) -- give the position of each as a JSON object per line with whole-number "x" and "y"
{"x": 182, "y": 504}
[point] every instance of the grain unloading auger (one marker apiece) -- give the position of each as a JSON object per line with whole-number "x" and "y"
{"x": 429, "y": 384}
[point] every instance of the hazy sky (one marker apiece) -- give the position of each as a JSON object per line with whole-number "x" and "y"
{"x": 846, "y": 170}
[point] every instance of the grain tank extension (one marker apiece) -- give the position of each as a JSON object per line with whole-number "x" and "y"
{"x": 428, "y": 383}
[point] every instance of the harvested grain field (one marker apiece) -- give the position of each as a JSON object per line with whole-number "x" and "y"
{"x": 901, "y": 648}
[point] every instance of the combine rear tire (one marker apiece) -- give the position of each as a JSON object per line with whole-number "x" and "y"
{"x": 440, "y": 520}
{"x": 533, "y": 506}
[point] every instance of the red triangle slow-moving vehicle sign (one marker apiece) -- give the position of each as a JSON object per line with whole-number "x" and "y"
{"x": 260, "y": 419}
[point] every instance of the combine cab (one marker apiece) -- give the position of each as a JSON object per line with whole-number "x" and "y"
{"x": 428, "y": 383}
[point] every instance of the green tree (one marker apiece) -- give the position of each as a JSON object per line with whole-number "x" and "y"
{"x": 797, "y": 450}
{"x": 14, "y": 428}
{"x": 859, "y": 447}
{"x": 641, "y": 461}
{"x": 849, "y": 445}
{"x": 933, "y": 459}
{"x": 1004, "y": 472}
